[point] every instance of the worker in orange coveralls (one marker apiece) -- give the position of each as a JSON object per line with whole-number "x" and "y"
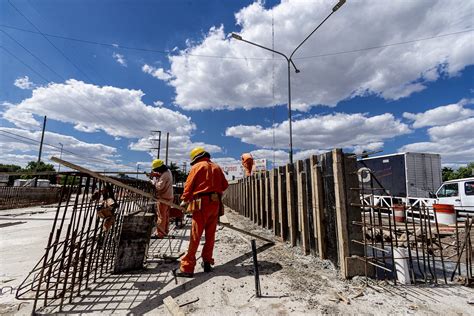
{"x": 202, "y": 195}
{"x": 247, "y": 163}
{"x": 163, "y": 181}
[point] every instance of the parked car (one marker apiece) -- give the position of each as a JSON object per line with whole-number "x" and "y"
{"x": 460, "y": 193}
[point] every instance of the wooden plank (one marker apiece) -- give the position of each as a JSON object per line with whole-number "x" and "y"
{"x": 309, "y": 206}
{"x": 273, "y": 200}
{"x": 255, "y": 199}
{"x": 282, "y": 207}
{"x": 302, "y": 206}
{"x": 172, "y": 306}
{"x": 341, "y": 212}
{"x": 261, "y": 189}
{"x": 290, "y": 202}
{"x": 115, "y": 182}
{"x": 318, "y": 207}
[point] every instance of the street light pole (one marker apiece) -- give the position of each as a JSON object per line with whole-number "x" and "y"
{"x": 290, "y": 62}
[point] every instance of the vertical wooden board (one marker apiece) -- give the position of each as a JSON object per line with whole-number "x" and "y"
{"x": 290, "y": 202}
{"x": 302, "y": 205}
{"x": 341, "y": 211}
{"x": 329, "y": 207}
{"x": 252, "y": 198}
{"x": 318, "y": 211}
{"x": 261, "y": 188}
{"x": 274, "y": 200}
{"x": 268, "y": 200}
{"x": 309, "y": 206}
{"x": 247, "y": 197}
{"x": 256, "y": 200}
{"x": 352, "y": 199}
{"x": 282, "y": 205}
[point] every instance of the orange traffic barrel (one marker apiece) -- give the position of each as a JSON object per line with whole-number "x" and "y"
{"x": 399, "y": 213}
{"x": 445, "y": 213}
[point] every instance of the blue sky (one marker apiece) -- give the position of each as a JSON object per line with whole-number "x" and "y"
{"x": 186, "y": 75}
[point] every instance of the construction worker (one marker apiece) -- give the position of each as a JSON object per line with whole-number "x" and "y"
{"x": 202, "y": 195}
{"x": 247, "y": 163}
{"x": 163, "y": 181}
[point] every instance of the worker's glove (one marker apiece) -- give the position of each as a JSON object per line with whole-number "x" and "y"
{"x": 184, "y": 204}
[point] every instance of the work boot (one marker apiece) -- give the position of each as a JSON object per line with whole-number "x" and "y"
{"x": 180, "y": 274}
{"x": 207, "y": 266}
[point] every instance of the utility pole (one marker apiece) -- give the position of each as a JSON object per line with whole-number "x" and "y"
{"x": 159, "y": 143}
{"x": 167, "y": 143}
{"x": 40, "y": 150}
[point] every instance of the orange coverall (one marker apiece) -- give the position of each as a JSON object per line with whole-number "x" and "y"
{"x": 247, "y": 163}
{"x": 204, "y": 178}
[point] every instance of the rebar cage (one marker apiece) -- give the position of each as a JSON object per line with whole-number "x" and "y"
{"x": 407, "y": 243}
{"x": 82, "y": 244}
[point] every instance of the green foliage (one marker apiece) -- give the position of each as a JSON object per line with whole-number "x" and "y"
{"x": 34, "y": 166}
{"x": 178, "y": 174}
{"x": 461, "y": 172}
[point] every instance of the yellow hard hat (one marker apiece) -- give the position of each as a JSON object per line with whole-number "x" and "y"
{"x": 156, "y": 164}
{"x": 196, "y": 153}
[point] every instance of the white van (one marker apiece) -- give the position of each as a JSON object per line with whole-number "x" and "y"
{"x": 460, "y": 193}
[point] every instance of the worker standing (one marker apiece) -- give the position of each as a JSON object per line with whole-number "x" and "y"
{"x": 202, "y": 194}
{"x": 163, "y": 181}
{"x": 247, "y": 163}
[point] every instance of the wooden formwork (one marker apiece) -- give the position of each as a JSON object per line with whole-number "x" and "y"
{"x": 308, "y": 204}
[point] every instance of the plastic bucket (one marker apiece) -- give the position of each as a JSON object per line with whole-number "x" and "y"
{"x": 445, "y": 213}
{"x": 399, "y": 213}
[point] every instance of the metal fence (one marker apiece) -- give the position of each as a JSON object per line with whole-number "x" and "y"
{"x": 82, "y": 244}
{"x": 410, "y": 244}
{"x": 17, "y": 197}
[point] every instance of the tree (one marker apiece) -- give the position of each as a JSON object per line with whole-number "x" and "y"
{"x": 448, "y": 173}
{"x": 178, "y": 174}
{"x": 34, "y": 166}
{"x": 461, "y": 172}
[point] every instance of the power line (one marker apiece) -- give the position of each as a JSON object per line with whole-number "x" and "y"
{"x": 234, "y": 57}
{"x": 49, "y": 41}
{"x": 30, "y": 140}
{"x": 24, "y": 64}
{"x": 26, "y": 49}
{"x": 385, "y": 45}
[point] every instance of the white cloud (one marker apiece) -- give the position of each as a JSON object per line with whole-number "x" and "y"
{"x": 158, "y": 73}
{"x": 391, "y": 72}
{"x": 441, "y": 115}
{"x": 158, "y": 103}
{"x": 354, "y": 131}
{"x": 119, "y": 58}
{"x": 117, "y": 112}
{"x": 24, "y": 83}
{"x": 454, "y": 141}
{"x": 17, "y": 149}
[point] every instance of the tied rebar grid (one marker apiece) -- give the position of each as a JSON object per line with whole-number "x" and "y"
{"x": 433, "y": 253}
{"x": 80, "y": 250}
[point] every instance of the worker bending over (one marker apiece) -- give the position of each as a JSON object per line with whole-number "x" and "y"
{"x": 247, "y": 163}
{"x": 163, "y": 180}
{"x": 202, "y": 194}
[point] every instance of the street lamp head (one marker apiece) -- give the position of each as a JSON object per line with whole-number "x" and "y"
{"x": 297, "y": 70}
{"x": 236, "y": 36}
{"x": 338, "y": 5}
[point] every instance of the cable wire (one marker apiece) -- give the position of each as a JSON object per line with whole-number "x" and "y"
{"x": 235, "y": 57}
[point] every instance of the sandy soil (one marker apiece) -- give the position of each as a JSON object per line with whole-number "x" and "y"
{"x": 292, "y": 284}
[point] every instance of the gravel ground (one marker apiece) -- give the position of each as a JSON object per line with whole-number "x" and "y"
{"x": 291, "y": 283}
